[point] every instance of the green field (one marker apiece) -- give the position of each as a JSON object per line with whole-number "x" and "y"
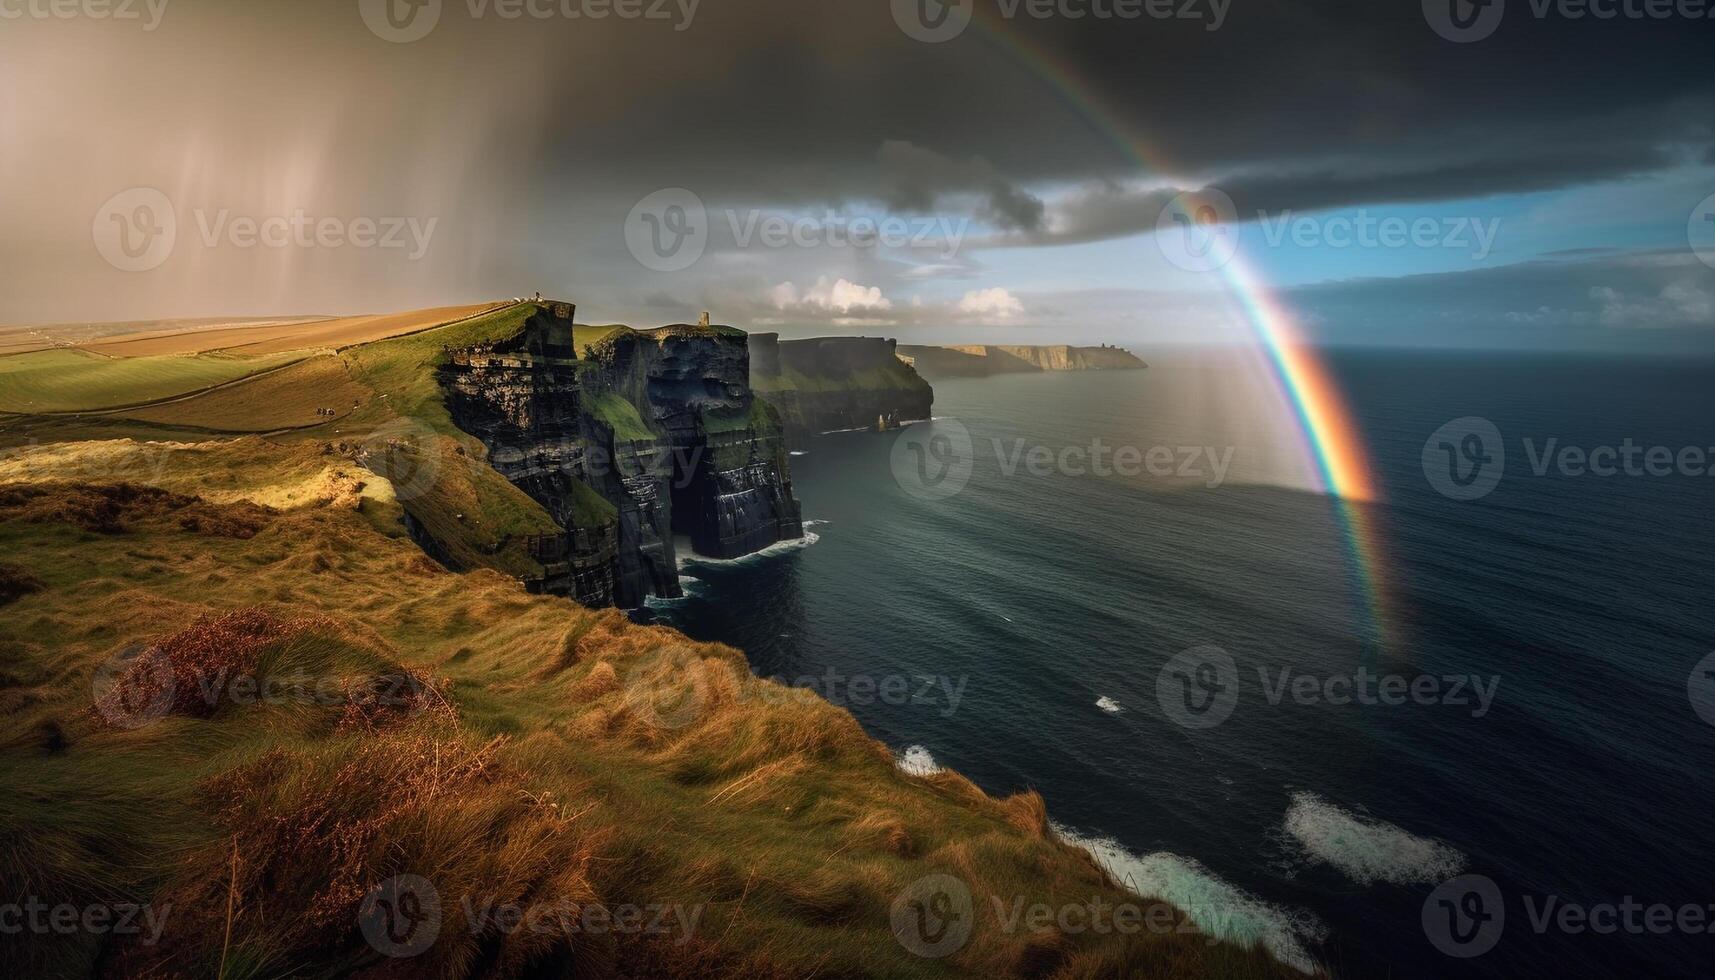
{"x": 78, "y": 381}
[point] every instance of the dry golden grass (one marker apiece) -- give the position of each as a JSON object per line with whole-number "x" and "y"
{"x": 283, "y": 335}
{"x": 540, "y": 754}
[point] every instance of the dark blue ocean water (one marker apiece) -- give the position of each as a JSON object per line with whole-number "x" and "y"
{"x": 1317, "y": 827}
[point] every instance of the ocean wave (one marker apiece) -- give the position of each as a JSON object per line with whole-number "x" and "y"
{"x": 1219, "y": 909}
{"x": 1109, "y": 705}
{"x": 774, "y": 550}
{"x": 799, "y": 452}
{"x": 689, "y": 586}
{"x": 1367, "y": 850}
{"x": 917, "y": 761}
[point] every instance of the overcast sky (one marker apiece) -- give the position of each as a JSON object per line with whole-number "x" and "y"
{"x": 1546, "y": 183}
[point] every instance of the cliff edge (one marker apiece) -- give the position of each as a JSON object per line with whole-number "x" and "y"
{"x": 984, "y": 360}
{"x": 831, "y": 384}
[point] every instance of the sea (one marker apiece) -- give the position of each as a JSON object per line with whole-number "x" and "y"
{"x": 1466, "y": 728}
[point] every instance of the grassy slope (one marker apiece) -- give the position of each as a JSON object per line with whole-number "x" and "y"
{"x": 74, "y": 381}
{"x": 284, "y": 399}
{"x": 583, "y": 760}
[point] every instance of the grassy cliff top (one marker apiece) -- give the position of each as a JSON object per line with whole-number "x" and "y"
{"x": 505, "y": 749}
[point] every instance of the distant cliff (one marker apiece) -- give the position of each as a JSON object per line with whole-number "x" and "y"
{"x": 982, "y": 360}
{"x": 833, "y": 383}
{"x": 647, "y": 435}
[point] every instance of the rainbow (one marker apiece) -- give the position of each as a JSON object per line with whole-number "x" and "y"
{"x": 1331, "y": 437}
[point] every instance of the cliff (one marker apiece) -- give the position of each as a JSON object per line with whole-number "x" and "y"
{"x": 836, "y": 383}
{"x": 983, "y": 360}
{"x": 646, "y": 435}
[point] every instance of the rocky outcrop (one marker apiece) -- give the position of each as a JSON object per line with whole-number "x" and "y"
{"x": 836, "y": 383}
{"x": 647, "y": 436}
{"x": 983, "y": 360}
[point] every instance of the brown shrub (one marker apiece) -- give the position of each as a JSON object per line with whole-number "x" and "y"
{"x": 111, "y": 509}
{"x": 15, "y": 583}
{"x": 179, "y": 674}
{"x": 312, "y": 836}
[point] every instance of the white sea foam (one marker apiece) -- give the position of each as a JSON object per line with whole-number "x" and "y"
{"x": 918, "y": 762}
{"x": 1219, "y": 909}
{"x": 1109, "y": 705}
{"x": 774, "y": 550}
{"x": 1367, "y": 850}
{"x": 799, "y": 452}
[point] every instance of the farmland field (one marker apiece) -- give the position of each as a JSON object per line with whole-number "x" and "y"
{"x": 78, "y": 381}
{"x": 274, "y": 338}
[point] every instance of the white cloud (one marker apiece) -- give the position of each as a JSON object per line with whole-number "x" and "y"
{"x": 994, "y": 304}
{"x": 838, "y": 296}
{"x": 1677, "y": 303}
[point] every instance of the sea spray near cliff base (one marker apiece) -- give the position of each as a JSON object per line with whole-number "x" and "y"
{"x": 1218, "y": 909}
{"x": 774, "y": 550}
{"x": 917, "y": 761}
{"x": 1367, "y": 850}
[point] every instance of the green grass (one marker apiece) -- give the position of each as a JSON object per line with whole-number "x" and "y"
{"x": 583, "y": 334}
{"x": 78, "y": 381}
{"x": 402, "y": 370}
{"x": 619, "y": 415}
{"x": 891, "y": 377}
{"x": 769, "y": 809}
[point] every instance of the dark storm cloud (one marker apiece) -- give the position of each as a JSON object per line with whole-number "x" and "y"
{"x": 531, "y": 138}
{"x": 1582, "y": 298}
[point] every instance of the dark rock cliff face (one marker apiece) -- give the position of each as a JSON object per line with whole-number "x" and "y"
{"x": 985, "y": 360}
{"x": 835, "y": 383}
{"x": 649, "y": 435}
